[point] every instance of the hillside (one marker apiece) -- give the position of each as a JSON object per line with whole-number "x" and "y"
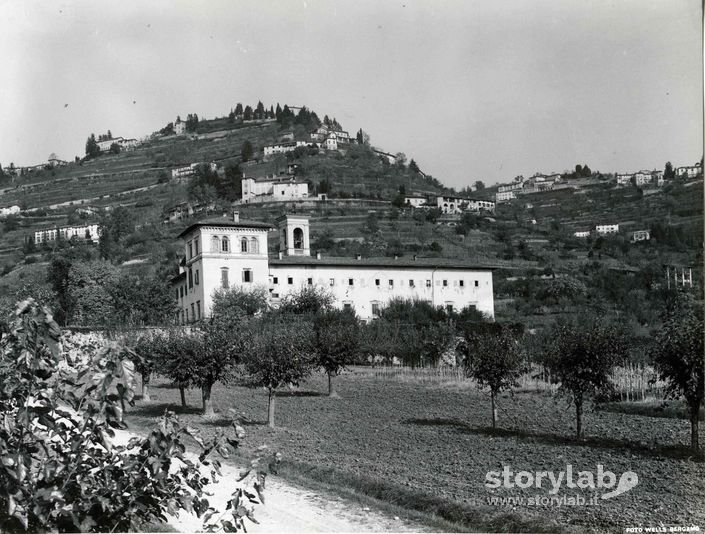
{"x": 528, "y": 238}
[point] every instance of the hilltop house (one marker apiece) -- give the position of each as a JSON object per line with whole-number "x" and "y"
{"x": 54, "y": 161}
{"x": 225, "y": 253}
{"x": 179, "y": 126}
{"x": 581, "y": 233}
{"x": 690, "y": 171}
{"x": 85, "y": 231}
{"x": 273, "y": 189}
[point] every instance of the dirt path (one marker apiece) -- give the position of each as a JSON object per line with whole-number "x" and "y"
{"x": 290, "y": 508}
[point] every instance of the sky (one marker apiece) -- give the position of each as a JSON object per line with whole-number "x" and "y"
{"x": 471, "y": 90}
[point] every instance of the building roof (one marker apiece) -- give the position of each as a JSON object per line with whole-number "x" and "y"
{"x": 401, "y": 262}
{"x": 228, "y": 223}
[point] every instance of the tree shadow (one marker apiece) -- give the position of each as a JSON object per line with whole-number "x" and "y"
{"x": 284, "y": 394}
{"x": 221, "y": 421}
{"x": 633, "y": 447}
{"x": 157, "y": 409}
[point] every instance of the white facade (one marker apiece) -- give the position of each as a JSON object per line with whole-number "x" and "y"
{"x": 219, "y": 253}
{"x": 104, "y": 146}
{"x": 455, "y": 205}
{"x": 642, "y": 178}
{"x": 582, "y": 233}
{"x": 365, "y": 285}
{"x": 690, "y": 171}
{"x": 283, "y": 148}
{"x": 510, "y": 187}
{"x": 504, "y": 196}
{"x": 271, "y": 190}
{"x": 415, "y": 202}
{"x": 604, "y": 229}
{"x": 624, "y": 179}
{"x": 86, "y": 231}
{"x": 641, "y": 235}
{"x": 179, "y": 127}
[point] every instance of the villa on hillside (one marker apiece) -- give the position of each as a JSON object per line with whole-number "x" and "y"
{"x": 415, "y": 201}
{"x": 223, "y": 253}
{"x": 273, "y": 189}
{"x": 456, "y": 205}
{"x": 85, "y": 231}
{"x": 640, "y": 235}
{"x": 690, "y": 171}
{"x": 283, "y": 148}
{"x": 606, "y": 229}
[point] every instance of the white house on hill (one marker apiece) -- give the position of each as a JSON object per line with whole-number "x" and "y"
{"x": 275, "y": 189}
{"x": 223, "y": 253}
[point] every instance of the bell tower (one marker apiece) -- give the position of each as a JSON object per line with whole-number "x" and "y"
{"x": 293, "y": 235}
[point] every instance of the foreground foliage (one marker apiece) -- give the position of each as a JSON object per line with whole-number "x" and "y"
{"x": 59, "y": 468}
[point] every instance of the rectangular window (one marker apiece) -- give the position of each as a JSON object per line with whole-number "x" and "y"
{"x": 449, "y": 308}
{"x": 428, "y": 283}
{"x": 331, "y": 282}
{"x": 445, "y": 283}
{"x": 376, "y": 281}
{"x": 190, "y": 249}
{"x": 198, "y": 309}
{"x": 347, "y": 306}
{"x": 351, "y": 282}
{"x": 193, "y": 312}
{"x": 181, "y": 290}
{"x": 477, "y": 283}
{"x": 190, "y": 278}
{"x": 462, "y": 283}
{"x": 247, "y": 275}
{"x": 375, "y": 309}
{"x": 310, "y": 281}
{"x": 290, "y": 281}
{"x": 391, "y": 283}
{"x": 195, "y": 280}
{"x": 224, "y": 278}
{"x": 195, "y": 244}
{"x": 177, "y": 294}
{"x": 275, "y": 280}
{"x": 411, "y": 283}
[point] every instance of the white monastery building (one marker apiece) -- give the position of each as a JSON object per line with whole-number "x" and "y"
{"x": 223, "y": 253}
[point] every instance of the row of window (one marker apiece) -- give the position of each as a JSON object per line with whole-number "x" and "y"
{"x": 225, "y": 277}
{"x": 247, "y": 245}
{"x": 378, "y": 282}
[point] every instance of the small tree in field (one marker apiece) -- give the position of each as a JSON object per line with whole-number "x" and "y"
{"x": 678, "y": 357}
{"x": 280, "y": 354}
{"x": 174, "y": 354}
{"x": 337, "y": 336}
{"x": 225, "y": 338}
{"x": 494, "y": 358}
{"x": 580, "y": 356}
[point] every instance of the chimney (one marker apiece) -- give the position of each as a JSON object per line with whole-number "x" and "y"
{"x": 281, "y": 255}
{"x": 236, "y": 216}
{"x": 358, "y": 256}
{"x": 318, "y": 255}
